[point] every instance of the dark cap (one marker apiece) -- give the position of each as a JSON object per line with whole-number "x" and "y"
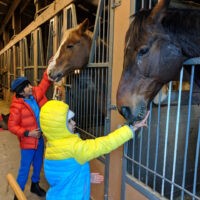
{"x": 19, "y": 83}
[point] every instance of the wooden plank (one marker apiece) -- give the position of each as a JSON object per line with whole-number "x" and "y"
{"x": 52, "y": 10}
{"x": 15, "y": 187}
{"x": 9, "y": 15}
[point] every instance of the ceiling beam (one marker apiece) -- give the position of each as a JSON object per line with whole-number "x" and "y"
{"x": 25, "y": 4}
{"x": 49, "y": 13}
{"x": 3, "y": 3}
{"x": 9, "y": 15}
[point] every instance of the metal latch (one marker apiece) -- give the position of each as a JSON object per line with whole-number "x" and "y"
{"x": 116, "y": 3}
{"x": 113, "y": 107}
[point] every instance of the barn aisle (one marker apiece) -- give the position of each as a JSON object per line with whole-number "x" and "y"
{"x": 9, "y": 162}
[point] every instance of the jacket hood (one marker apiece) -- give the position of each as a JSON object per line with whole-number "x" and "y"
{"x": 53, "y": 119}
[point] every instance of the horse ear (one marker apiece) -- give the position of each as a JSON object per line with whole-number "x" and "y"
{"x": 158, "y": 11}
{"x": 83, "y": 26}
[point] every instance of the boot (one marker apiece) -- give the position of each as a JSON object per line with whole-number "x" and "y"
{"x": 35, "y": 188}
{"x": 15, "y": 197}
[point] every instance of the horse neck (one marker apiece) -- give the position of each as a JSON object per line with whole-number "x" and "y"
{"x": 184, "y": 27}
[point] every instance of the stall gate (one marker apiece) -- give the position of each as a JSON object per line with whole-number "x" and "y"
{"x": 162, "y": 162}
{"x": 88, "y": 91}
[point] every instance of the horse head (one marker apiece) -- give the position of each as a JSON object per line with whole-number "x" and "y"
{"x": 153, "y": 56}
{"x": 72, "y": 53}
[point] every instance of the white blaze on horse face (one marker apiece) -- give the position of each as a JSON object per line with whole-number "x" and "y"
{"x": 52, "y": 63}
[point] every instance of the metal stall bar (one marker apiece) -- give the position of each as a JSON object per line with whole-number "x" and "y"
{"x": 166, "y": 137}
{"x": 90, "y": 91}
{"x": 187, "y": 132}
{"x": 176, "y": 135}
{"x": 196, "y": 163}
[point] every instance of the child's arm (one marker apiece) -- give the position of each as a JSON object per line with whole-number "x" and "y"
{"x": 85, "y": 150}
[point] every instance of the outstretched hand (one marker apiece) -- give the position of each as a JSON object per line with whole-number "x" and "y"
{"x": 96, "y": 178}
{"x": 142, "y": 123}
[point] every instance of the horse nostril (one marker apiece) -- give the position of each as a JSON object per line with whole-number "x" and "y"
{"x": 125, "y": 111}
{"x": 50, "y": 75}
{"x": 60, "y": 75}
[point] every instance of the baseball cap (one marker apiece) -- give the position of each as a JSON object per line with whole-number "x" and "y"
{"x": 17, "y": 82}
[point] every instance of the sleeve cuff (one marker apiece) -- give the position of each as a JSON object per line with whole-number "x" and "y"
{"x": 132, "y": 129}
{"x": 26, "y": 133}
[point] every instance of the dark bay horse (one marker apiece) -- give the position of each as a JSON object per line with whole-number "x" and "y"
{"x": 73, "y": 52}
{"x": 157, "y": 42}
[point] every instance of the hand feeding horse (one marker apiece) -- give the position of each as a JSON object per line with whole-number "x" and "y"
{"x": 157, "y": 42}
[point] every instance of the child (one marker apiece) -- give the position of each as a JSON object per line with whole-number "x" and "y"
{"x": 24, "y": 123}
{"x": 71, "y": 125}
{"x": 66, "y": 163}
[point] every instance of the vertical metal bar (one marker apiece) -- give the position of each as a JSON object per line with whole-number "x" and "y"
{"x": 142, "y": 3}
{"x": 150, "y": 4}
{"x": 196, "y": 162}
{"x": 84, "y": 99}
{"x": 176, "y": 135}
{"x": 103, "y": 33}
{"x": 166, "y": 137}
{"x": 109, "y": 86}
{"x": 148, "y": 144}
{"x": 124, "y": 169}
{"x": 99, "y": 43}
{"x": 140, "y": 153}
{"x": 133, "y": 157}
{"x": 96, "y": 30}
{"x": 97, "y": 102}
{"x": 87, "y": 102}
{"x": 102, "y": 90}
{"x": 157, "y": 143}
{"x": 109, "y": 38}
{"x": 187, "y": 132}
{"x": 78, "y": 80}
{"x": 90, "y": 101}
{"x": 94, "y": 101}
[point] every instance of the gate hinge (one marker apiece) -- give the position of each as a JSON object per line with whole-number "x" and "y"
{"x": 116, "y": 3}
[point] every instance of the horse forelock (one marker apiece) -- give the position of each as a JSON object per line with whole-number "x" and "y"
{"x": 182, "y": 25}
{"x": 136, "y": 30}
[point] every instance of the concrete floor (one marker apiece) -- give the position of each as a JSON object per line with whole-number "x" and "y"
{"x": 9, "y": 162}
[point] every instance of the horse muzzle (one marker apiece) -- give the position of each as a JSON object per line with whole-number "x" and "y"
{"x": 133, "y": 115}
{"x": 55, "y": 76}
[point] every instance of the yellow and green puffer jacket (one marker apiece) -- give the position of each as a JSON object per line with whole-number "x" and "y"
{"x": 66, "y": 156}
{"x": 62, "y": 144}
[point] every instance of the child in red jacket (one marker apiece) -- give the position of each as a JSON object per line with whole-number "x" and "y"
{"x": 24, "y": 123}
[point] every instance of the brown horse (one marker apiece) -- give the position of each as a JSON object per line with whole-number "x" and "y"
{"x": 72, "y": 53}
{"x": 157, "y": 42}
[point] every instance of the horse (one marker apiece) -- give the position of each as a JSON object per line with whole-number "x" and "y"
{"x": 157, "y": 42}
{"x": 73, "y": 52}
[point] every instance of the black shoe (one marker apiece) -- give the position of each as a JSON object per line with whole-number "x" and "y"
{"x": 35, "y": 188}
{"x": 15, "y": 198}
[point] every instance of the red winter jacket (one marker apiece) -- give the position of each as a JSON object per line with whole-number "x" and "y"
{"x": 22, "y": 117}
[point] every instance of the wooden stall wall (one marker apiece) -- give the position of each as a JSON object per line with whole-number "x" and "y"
{"x": 121, "y": 24}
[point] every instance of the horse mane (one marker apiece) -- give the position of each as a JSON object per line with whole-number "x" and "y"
{"x": 182, "y": 24}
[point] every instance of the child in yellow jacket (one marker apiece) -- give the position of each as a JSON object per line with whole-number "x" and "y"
{"x": 66, "y": 163}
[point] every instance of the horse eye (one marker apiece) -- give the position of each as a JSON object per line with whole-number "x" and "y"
{"x": 143, "y": 51}
{"x": 69, "y": 46}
